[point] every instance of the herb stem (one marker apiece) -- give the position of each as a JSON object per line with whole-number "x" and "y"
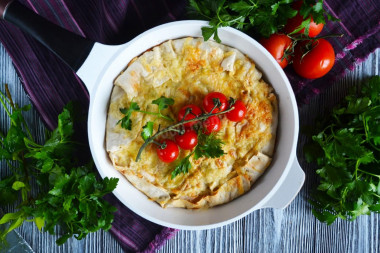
{"x": 156, "y": 114}
{"x": 303, "y": 37}
{"x": 2, "y": 101}
{"x": 172, "y": 127}
{"x": 366, "y": 172}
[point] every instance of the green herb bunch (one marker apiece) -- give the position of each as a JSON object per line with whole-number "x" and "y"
{"x": 347, "y": 151}
{"x": 257, "y": 17}
{"x": 68, "y": 194}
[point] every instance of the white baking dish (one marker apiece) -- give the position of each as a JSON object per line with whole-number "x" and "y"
{"x": 275, "y": 189}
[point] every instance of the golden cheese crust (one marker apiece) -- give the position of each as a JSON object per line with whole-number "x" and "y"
{"x": 187, "y": 70}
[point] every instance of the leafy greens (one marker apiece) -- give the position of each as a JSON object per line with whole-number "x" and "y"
{"x": 254, "y": 16}
{"x": 68, "y": 194}
{"x": 162, "y": 103}
{"x": 347, "y": 151}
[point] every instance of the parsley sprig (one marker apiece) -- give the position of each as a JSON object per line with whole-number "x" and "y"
{"x": 346, "y": 149}
{"x": 68, "y": 194}
{"x": 259, "y": 17}
{"x": 208, "y": 146}
{"x": 161, "y": 102}
{"x": 183, "y": 166}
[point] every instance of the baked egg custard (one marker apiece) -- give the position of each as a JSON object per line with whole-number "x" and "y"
{"x": 186, "y": 70}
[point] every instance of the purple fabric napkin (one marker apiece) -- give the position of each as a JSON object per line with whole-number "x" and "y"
{"x": 50, "y": 84}
{"x": 360, "y": 25}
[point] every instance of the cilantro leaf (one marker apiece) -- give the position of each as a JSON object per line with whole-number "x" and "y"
{"x": 147, "y": 131}
{"x": 126, "y": 122}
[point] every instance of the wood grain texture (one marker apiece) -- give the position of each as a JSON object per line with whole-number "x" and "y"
{"x": 293, "y": 229}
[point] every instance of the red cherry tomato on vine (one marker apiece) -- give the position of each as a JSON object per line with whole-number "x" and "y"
{"x": 208, "y": 102}
{"x": 293, "y": 23}
{"x": 238, "y": 113}
{"x": 277, "y": 44}
{"x": 211, "y": 124}
{"x": 188, "y": 140}
{"x": 317, "y": 62}
{"x": 195, "y": 111}
{"x": 169, "y": 152}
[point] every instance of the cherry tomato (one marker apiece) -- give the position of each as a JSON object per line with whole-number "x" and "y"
{"x": 295, "y": 22}
{"x": 317, "y": 62}
{"x": 276, "y": 44}
{"x": 195, "y": 111}
{"x": 188, "y": 140}
{"x": 208, "y": 102}
{"x": 211, "y": 124}
{"x": 238, "y": 113}
{"x": 169, "y": 152}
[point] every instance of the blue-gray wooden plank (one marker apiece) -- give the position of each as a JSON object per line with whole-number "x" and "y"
{"x": 293, "y": 229}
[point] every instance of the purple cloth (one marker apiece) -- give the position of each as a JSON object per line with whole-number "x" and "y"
{"x": 50, "y": 84}
{"x": 360, "y": 25}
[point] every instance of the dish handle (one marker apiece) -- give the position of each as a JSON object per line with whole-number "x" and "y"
{"x": 99, "y": 57}
{"x": 288, "y": 189}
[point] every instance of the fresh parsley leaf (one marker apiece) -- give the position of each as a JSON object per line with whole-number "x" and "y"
{"x": 147, "y": 131}
{"x": 7, "y": 193}
{"x": 208, "y": 32}
{"x": 17, "y": 185}
{"x": 182, "y": 167}
{"x": 243, "y": 7}
{"x": 65, "y": 122}
{"x": 372, "y": 89}
{"x": 69, "y": 194}
{"x": 163, "y": 102}
{"x": 371, "y": 119}
{"x": 347, "y": 151}
{"x": 258, "y": 17}
{"x": 209, "y": 146}
{"x": 126, "y": 121}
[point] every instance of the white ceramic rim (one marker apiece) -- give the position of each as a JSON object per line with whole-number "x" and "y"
{"x": 267, "y": 185}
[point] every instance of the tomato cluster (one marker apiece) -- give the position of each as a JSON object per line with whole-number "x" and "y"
{"x": 187, "y": 139}
{"x": 311, "y": 58}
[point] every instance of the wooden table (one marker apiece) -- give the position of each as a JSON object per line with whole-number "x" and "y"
{"x": 293, "y": 229}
